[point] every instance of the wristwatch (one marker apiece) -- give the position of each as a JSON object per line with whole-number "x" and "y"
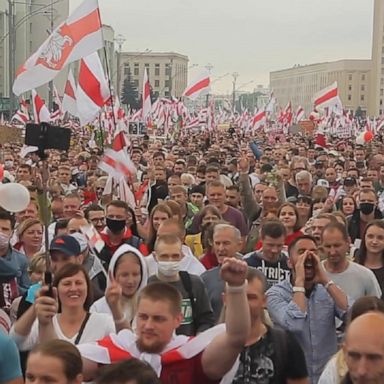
{"x": 298, "y": 289}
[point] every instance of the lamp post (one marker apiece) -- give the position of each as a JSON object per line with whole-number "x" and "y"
{"x": 235, "y": 75}
{"x": 120, "y": 40}
{"x": 11, "y": 34}
{"x": 209, "y": 68}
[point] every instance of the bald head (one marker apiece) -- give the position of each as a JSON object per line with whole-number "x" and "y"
{"x": 364, "y": 349}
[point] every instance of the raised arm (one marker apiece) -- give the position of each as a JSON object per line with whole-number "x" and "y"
{"x": 250, "y": 206}
{"x": 220, "y": 355}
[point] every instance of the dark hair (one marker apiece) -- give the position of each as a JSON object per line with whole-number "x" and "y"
{"x": 133, "y": 227}
{"x": 341, "y": 201}
{"x": 160, "y": 291}
{"x": 255, "y": 274}
{"x": 158, "y": 154}
{"x": 233, "y": 188}
{"x": 297, "y": 224}
{"x": 362, "y": 255}
{"x": 162, "y": 207}
{"x": 337, "y": 226}
{"x": 118, "y": 204}
{"x": 363, "y": 305}
{"x": 61, "y": 224}
{"x": 297, "y": 239}
{"x": 64, "y": 351}
{"x": 92, "y": 207}
{"x": 70, "y": 270}
{"x": 5, "y": 215}
{"x": 131, "y": 370}
{"x": 272, "y": 228}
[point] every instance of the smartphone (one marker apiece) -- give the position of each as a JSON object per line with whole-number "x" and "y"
{"x": 48, "y": 282}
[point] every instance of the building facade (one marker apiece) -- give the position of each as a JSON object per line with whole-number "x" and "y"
{"x": 32, "y": 22}
{"x": 300, "y": 83}
{"x": 377, "y": 78}
{"x": 167, "y": 71}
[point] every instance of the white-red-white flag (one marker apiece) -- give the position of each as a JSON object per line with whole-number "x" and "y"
{"x": 92, "y": 90}
{"x": 57, "y": 114}
{"x": 200, "y": 85}
{"x": 93, "y": 237}
{"x": 299, "y": 113}
{"x": 146, "y": 108}
{"x": 117, "y": 164}
{"x": 69, "y": 98}
{"x": 77, "y": 37}
{"x": 327, "y": 97}
{"x": 20, "y": 116}
{"x": 40, "y": 111}
{"x": 259, "y": 119}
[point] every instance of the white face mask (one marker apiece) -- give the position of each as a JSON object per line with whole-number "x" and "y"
{"x": 4, "y": 240}
{"x": 168, "y": 268}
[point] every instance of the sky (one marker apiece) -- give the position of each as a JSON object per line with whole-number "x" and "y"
{"x": 250, "y": 37}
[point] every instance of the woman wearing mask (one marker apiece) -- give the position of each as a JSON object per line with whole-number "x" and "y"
{"x": 127, "y": 275}
{"x": 371, "y": 253}
{"x": 30, "y": 235}
{"x": 209, "y": 214}
{"x": 57, "y": 360}
{"x": 160, "y": 213}
{"x": 63, "y": 313}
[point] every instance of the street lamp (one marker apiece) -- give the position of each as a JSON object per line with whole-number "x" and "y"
{"x": 12, "y": 27}
{"x": 235, "y": 75}
{"x": 120, "y": 40}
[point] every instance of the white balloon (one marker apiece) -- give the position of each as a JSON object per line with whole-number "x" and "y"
{"x": 360, "y": 139}
{"x": 14, "y": 197}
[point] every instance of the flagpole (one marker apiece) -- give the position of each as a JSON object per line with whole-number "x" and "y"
{"x": 110, "y": 88}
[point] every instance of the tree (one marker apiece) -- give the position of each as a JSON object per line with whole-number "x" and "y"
{"x": 129, "y": 94}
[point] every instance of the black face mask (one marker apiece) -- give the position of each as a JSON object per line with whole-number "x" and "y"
{"x": 115, "y": 226}
{"x": 367, "y": 208}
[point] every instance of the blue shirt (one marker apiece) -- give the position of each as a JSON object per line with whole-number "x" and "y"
{"x": 315, "y": 329}
{"x": 9, "y": 359}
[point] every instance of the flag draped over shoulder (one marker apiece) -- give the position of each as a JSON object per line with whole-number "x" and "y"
{"x": 78, "y": 36}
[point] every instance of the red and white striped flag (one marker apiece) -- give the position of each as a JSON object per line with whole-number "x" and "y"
{"x": 78, "y": 36}
{"x": 327, "y": 97}
{"x": 201, "y": 85}
{"x": 117, "y": 164}
{"x": 40, "y": 111}
{"x": 259, "y": 119}
{"x": 69, "y": 98}
{"x": 93, "y": 237}
{"x": 146, "y": 107}
{"x": 20, "y": 116}
{"x": 299, "y": 113}
{"x": 92, "y": 91}
{"x": 57, "y": 114}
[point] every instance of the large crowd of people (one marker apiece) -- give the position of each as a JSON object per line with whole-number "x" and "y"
{"x": 231, "y": 260}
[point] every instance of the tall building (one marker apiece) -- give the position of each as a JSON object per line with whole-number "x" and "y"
{"x": 32, "y": 21}
{"x": 167, "y": 71}
{"x": 300, "y": 83}
{"x": 377, "y": 78}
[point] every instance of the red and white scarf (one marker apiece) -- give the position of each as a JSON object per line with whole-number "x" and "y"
{"x": 122, "y": 346}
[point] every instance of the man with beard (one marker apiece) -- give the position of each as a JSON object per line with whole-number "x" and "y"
{"x": 306, "y": 305}
{"x": 176, "y": 359}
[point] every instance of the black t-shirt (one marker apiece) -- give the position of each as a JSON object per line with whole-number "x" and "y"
{"x": 379, "y": 273}
{"x": 274, "y": 272}
{"x": 262, "y": 363}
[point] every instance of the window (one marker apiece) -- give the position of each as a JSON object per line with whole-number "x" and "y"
{"x": 166, "y": 83}
{"x": 350, "y": 77}
{"x": 146, "y": 65}
{"x": 362, "y": 97}
{"x": 349, "y": 97}
{"x": 363, "y": 77}
{"x": 157, "y": 83}
{"x": 136, "y": 71}
{"x": 157, "y": 69}
{"x": 349, "y": 87}
{"x": 136, "y": 82}
{"x": 363, "y": 87}
{"x": 168, "y": 70}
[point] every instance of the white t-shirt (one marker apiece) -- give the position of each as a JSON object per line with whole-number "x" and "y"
{"x": 99, "y": 325}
